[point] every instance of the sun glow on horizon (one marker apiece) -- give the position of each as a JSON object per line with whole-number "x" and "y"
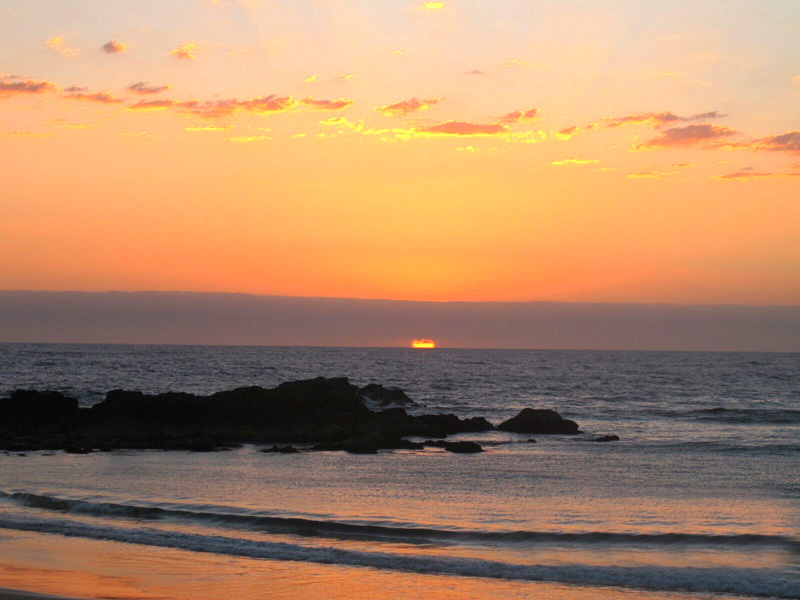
{"x": 423, "y": 343}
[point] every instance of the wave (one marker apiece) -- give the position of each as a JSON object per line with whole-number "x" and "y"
{"x": 307, "y": 527}
{"x": 741, "y": 581}
{"x": 772, "y": 416}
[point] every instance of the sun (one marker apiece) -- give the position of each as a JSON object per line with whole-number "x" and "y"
{"x": 422, "y": 343}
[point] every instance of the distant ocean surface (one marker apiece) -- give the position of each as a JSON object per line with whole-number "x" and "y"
{"x": 700, "y": 498}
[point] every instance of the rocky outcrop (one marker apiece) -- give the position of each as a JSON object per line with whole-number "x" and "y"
{"x": 378, "y": 396}
{"x": 607, "y": 438}
{"x": 543, "y": 421}
{"x": 328, "y": 412}
{"x": 463, "y": 447}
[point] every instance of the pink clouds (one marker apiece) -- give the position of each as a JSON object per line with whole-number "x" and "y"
{"x": 691, "y": 135}
{"x": 338, "y": 104}
{"x": 405, "y": 107}
{"x": 464, "y": 128}
{"x": 10, "y": 86}
{"x": 114, "y": 47}
{"x": 786, "y": 142}
{"x": 521, "y": 115}
{"x": 101, "y": 97}
{"x": 143, "y": 87}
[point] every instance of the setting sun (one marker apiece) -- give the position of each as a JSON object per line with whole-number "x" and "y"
{"x": 423, "y": 344}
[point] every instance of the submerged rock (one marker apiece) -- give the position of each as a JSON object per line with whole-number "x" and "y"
{"x": 607, "y": 438}
{"x": 544, "y": 421}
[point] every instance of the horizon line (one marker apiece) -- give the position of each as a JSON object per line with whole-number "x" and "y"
{"x": 378, "y": 299}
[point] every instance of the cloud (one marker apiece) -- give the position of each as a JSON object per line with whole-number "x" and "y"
{"x": 249, "y": 138}
{"x": 464, "y": 128}
{"x": 405, "y": 107}
{"x": 797, "y": 79}
{"x": 338, "y": 104}
{"x": 748, "y": 174}
{"x": 114, "y": 47}
{"x": 569, "y": 132}
{"x": 575, "y": 161}
{"x": 209, "y": 128}
{"x": 74, "y": 88}
{"x": 652, "y": 174}
{"x": 658, "y": 120}
{"x": 12, "y": 85}
{"x": 691, "y": 135}
{"x": 213, "y": 109}
{"x": 431, "y": 6}
{"x": 475, "y": 72}
{"x": 311, "y": 79}
{"x": 142, "y": 87}
{"x": 347, "y": 77}
{"x": 521, "y": 115}
{"x": 101, "y": 97}
{"x": 786, "y": 142}
{"x": 57, "y": 44}
{"x": 187, "y": 51}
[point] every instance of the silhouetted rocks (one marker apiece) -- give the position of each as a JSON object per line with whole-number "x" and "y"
{"x": 531, "y": 441}
{"x": 464, "y": 447}
{"x": 323, "y": 414}
{"x": 543, "y": 421}
{"x": 281, "y": 450}
{"x": 607, "y": 438}
{"x": 382, "y": 397}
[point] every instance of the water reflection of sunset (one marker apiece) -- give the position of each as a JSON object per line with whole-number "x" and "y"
{"x": 423, "y": 343}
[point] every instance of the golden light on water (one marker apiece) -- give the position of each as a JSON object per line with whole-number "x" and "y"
{"x": 423, "y": 343}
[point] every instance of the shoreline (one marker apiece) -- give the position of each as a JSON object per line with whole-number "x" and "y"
{"x": 14, "y": 594}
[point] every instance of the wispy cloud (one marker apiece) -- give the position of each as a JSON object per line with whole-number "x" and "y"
{"x": 574, "y": 161}
{"x": 11, "y": 85}
{"x": 658, "y": 120}
{"x": 142, "y": 87}
{"x": 405, "y": 107}
{"x": 101, "y": 97}
{"x": 785, "y": 142}
{"x": 246, "y": 139}
{"x": 463, "y": 128}
{"x": 521, "y": 115}
{"x": 57, "y": 44}
{"x": 114, "y": 47}
{"x": 338, "y": 104}
{"x": 652, "y": 174}
{"x": 691, "y": 135}
{"x": 186, "y": 51}
{"x": 749, "y": 174}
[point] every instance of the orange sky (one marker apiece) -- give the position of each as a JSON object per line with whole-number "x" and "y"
{"x": 465, "y": 151}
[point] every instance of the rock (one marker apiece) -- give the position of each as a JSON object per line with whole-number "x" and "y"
{"x": 542, "y": 421}
{"x": 376, "y": 395}
{"x": 456, "y": 447}
{"x": 463, "y": 447}
{"x": 281, "y": 449}
{"x": 78, "y": 450}
{"x": 607, "y": 438}
{"x": 356, "y": 446}
{"x": 531, "y": 441}
{"x": 29, "y": 410}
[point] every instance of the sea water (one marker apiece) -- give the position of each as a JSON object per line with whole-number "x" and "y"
{"x": 701, "y": 496}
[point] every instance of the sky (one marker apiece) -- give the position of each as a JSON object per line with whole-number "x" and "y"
{"x": 570, "y": 150}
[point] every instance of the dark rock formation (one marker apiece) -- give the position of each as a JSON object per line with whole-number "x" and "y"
{"x": 607, "y": 438}
{"x": 281, "y": 449}
{"x": 382, "y": 397}
{"x": 327, "y": 412}
{"x": 542, "y": 421}
{"x": 464, "y": 447}
{"x": 531, "y": 441}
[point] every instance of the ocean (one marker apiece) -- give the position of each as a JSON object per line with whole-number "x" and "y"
{"x": 700, "y": 497}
